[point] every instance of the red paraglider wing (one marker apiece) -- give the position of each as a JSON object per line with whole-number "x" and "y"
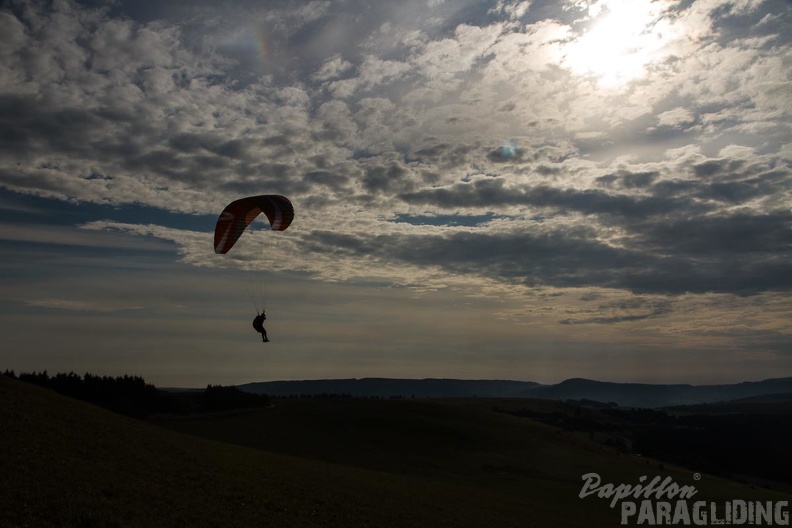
{"x": 240, "y": 213}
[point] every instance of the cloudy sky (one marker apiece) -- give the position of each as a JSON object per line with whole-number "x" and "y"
{"x": 531, "y": 190}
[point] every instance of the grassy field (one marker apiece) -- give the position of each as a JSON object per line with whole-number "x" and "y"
{"x": 340, "y": 463}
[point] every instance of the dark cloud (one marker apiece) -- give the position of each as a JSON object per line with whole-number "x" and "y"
{"x": 602, "y": 203}
{"x": 391, "y": 178}
{"x": 28, "y": 123}
{"x": 742, "y": 187}
{"x": 676, "y": 237}
{"x": 743, "y": 255}
{"x": 263, "y": 178}
{"x": 444, "y": 156}
{"x": 629, "y": 180}
{"x": 329, "y": 179}
{"x": 739, "y": 234}
{"x": 572, "y": 259}
{"x": 211, "y": 143}
{"x": 623, "y": 312}
{"x": 712, "y": 167}
{"x": 494, "y": 192}
{"x": 607, "y": 320}
{"x": 445, "y": 220}
{"x": 545, "y": 170}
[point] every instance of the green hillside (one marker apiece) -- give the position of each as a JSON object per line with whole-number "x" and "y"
{"x": 304, "y": 463}
{"x": 459, "y": 444}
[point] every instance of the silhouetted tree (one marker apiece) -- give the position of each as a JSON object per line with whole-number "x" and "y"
{"x": 217, "y": 397}
{"x": 129, "y": 395}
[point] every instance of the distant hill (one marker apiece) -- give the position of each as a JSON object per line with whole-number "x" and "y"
{"x": 762, "y": 404}
{"x": 646, "y": 395}
{"x": 623, "y": 394}
{"x": 389, "y": 387}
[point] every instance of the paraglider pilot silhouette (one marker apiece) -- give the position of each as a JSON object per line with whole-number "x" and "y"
{"x": 233, "y": 221}
{"x": 258, "y": 324}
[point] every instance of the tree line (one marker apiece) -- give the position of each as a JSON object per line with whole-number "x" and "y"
{"x": 132, "y": 396}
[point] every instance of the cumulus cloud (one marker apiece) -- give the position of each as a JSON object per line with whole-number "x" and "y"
{"x": 671, "y": 177}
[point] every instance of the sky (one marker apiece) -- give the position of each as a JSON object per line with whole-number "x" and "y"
{"x": 529, "y": 190}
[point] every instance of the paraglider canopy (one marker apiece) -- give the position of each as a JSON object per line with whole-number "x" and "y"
{"x": 240, "y": 213}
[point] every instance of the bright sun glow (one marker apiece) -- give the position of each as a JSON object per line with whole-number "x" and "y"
{"x": 625, "y": 37}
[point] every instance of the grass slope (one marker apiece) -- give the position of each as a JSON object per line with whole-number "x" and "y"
{"x": 361, "y": 463}
{"x": 457, "y": 444}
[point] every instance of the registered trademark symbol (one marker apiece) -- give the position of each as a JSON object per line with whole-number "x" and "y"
{"x": 696, "y": 476}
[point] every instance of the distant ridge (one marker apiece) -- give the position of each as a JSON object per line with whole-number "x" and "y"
{"x": 623, "y": 394}
{"x": 648, "y": 395}
{"x": 390, "y": 387}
